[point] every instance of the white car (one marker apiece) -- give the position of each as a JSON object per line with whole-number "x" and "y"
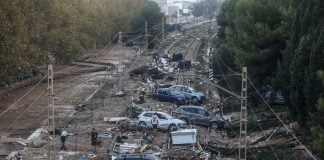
{"x": 166, "y": 122}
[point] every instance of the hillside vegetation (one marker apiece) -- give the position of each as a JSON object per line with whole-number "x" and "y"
{"x": 30, "y": 30}
{"x": 282, "y": 44}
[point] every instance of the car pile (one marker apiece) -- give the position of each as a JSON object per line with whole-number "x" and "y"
{"x": 178, "y": 94}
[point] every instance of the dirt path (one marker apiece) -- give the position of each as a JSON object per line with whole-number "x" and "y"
{"x": 22, "y": 118}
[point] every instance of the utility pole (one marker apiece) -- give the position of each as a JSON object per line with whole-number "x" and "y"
{"x": 146, "y": 37}
{"x": 243, "y": 117}
{"x": 51, "y": 109}
{"x": 120, "y": 64}
{"x": 162, "y": 30}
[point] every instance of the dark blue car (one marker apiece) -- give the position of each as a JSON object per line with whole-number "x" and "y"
{"x": 164, "y": 95}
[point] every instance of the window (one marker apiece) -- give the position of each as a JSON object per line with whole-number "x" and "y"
{"x": 185, "y": 109}
{"x": 193, "y": 110}
{"x": 161, "y": 116}
{"x": 148, "y": 115}
{"x": 178, "y": 88}
{"x": 201, "y": 112}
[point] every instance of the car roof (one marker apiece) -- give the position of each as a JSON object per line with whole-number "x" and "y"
{"x": 190, "y": 106}
{"x": 179, "y": 85}
{"x": 163, "y": 113}
{"x": 137, "y": 155}
{"x": 153, "y": 112}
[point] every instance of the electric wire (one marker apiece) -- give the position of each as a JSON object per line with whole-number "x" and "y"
{"x": 262, "y": 131}
{"x": 39, "y": 82}
{"x": 281, "y": 121}
{"x": 11, "y": 106}
{"x": 294, "y": 136}
{"x": 220, "y": 69}
{"x": 134, "y": 31}
{"x": 95, "y": 55}
{"x": 229, "y": 68}
{"x": 218, "y": 64}
{"x": 28, "y": 108}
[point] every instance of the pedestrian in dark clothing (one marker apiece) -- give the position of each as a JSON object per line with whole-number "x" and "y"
{"x": 64, "y": 135}
{"x": 94, "y": 137}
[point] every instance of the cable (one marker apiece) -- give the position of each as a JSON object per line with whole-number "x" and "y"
{"x": 97, "y": 53}
{"x": 229, "y": 68}
{"x": 28, "y": 108}
{"x": 263, "y": 132}
{"x": 237, "y": 136}
{"x": 5, "y": 111}
{"x": 134, "y": 31}
{"x": 39, "y": 82}
{"x": 295, "y": 137}
{"x": 307, "y": 150}
{"x": 158, "y": 35}
{"x": 15, "y": 121}
{"x": 220, "y": 69}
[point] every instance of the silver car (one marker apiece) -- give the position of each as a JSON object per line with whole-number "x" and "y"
{"x": 199, "y": 115}
{"x": 189, "y": 92}
{"x": 166, "y": 122}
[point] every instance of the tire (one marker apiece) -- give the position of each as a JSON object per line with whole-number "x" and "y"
{"x": 213, "y": 126}
{"x": 141, "y": 123}
{"x": 172, "y": 127}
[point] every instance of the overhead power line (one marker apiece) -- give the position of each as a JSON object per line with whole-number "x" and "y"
{"x": 281, "y": 121}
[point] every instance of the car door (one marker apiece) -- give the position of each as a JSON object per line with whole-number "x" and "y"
{"x": 186, "y": 91}
{"x": 163, "y": 121}
{"x": 147, "y": 117}
{"x": 163, "y": 95}
{"x": 168, "y": 96}
{"x": 193, "y": 116}
{"x": 203, "y": 117}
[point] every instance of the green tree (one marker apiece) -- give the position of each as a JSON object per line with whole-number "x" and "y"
{"x": 303, "y": 58}
{"x": 317, "y": 122}
{"x": 151, "y": 13}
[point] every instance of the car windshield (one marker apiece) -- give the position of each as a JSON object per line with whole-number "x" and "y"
{"x": 173, "y": 92}
{"x": 166, "y": 115}
{"x": 191, "y": 89}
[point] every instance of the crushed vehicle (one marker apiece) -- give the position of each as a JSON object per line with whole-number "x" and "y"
{"x": 276, "y": 98}
{"x": 184, "y": 65}
{"x": 136, "y": 156}
{"x": 177, "y": 57}
{"x": 166, "y": 122}
{"x": 200, "y": 116}
{"x": 189, "y": 92}
{"x": 165, "y": 95}
{"x": 153, "y": 72}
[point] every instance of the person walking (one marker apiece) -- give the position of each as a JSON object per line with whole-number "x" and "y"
{"x": 64, "y": 135}
{"x": 94, "y": 136}
{"x": 155, "y": 121}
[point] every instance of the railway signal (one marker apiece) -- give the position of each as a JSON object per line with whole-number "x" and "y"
{"x": 211, "y": 74}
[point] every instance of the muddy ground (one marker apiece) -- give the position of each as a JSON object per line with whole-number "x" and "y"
{"x": 95, "y": 93}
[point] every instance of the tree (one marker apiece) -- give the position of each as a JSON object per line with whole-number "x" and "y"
{"x": 303, "y": 58}
{"x": 317, "y": 122}
{"x": 30, "y": 29}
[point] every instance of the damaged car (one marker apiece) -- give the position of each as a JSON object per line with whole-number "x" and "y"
{"x": 166, "y": 122}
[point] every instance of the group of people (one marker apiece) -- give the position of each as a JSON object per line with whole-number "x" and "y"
{"x": 94, "y": 134}
{"x": 64, "y": 135}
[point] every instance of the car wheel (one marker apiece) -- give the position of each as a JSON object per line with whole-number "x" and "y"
{"x": 185, "y": 120}
{"x": 172, "y": 127}
{"x": 142, "y": 123}
{"x": 213, "y": 126}
{"x": 194, "y": 100}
